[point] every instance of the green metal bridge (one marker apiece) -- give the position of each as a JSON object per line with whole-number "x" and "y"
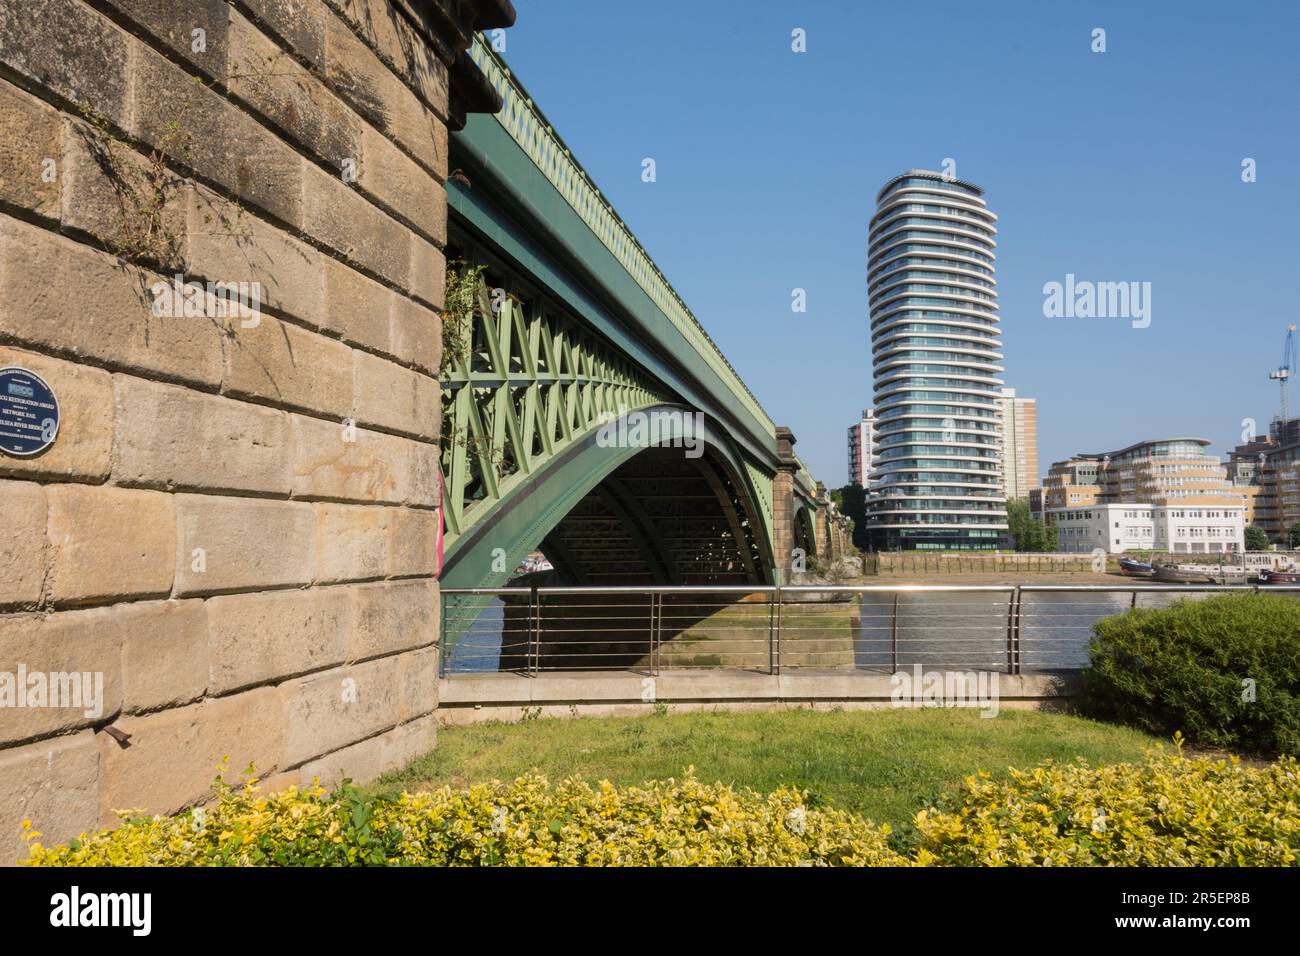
{"x": 566, "y": 324}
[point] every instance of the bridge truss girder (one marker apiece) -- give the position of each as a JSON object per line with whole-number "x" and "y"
{"x": 526, "y": 389}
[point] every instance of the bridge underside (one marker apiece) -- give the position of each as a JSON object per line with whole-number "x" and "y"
{"x": 667, "y": 514}
{"x": 659, "y": 518}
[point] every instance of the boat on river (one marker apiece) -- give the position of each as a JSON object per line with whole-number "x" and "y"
{"x": 1135, "y": 569}
{"x": 1200, "y": 574}
{"x": 1273, "y": 576}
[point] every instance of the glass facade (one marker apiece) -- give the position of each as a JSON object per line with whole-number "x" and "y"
{"x": 937, "y": 480}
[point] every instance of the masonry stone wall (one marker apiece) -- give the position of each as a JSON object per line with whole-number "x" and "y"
{"x": 236, "y": 525}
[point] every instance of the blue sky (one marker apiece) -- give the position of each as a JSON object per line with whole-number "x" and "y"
{"x": 1115, "y": 166}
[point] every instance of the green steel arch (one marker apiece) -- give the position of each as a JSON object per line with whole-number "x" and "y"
{"x": 519, "y": 521}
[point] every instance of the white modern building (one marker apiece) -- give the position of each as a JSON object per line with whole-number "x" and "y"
{"x": 862, "y": 445}
{"x": 1116, "y": 528}
{"x": 937, "y": 478}
{"x": 1164, "y": 494}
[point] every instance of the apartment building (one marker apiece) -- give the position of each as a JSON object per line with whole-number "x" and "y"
{"x": 862, "y": 444}
{"x": 1165, "y": 494}
{"x": 1265, "y": 470}
{"x": 1019, "y": 444}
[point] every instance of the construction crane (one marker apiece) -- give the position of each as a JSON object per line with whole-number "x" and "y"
{"x": 1283, "y": 378}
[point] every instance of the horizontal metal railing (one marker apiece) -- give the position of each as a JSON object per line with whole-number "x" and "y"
{"x": 871, "y": 627}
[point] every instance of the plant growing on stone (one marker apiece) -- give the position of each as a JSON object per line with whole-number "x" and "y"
{"x": 142, "y": 190}
{"x": 465, "y": 300}
{"x": 145, "y": 187}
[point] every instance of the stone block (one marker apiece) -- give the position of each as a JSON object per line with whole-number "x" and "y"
{"x": 335, "y": 461}
{"x": 357, "y": 308}
{"x": 428, "y": 278}
{"x": 83, "y": 449}
{"x": 273, "y": 83}
{"x": 403, "y": 186}
{"x": 232, "y": 246}
{"x": 326, "y": 711}
{"x": 31, "y": 135}
{"x": 300, "y": 25}
{"x": 164, "y": 653}
{"x": 369, "y": 759}
{"x": 53, "y": 783}
{"x": 65, "y": 667}
{"x": 114, "y": 194}
{"x": 93, "y": 558}
{"x": 419, "y": 682}
{"x": 259, "y": 638}
{"x": 343, "y": 219}
{"x": 392, "y": 616}
{"x": 290, "y": 367}
{"x": 236, "y": 544}
{"x": 393, "y": 398}
{"x": 174, "y": 24}
{"x": 174, "y": 438}
{"x": 352, "y": 542}
{"x": 174, "y": 755}
{"x": 202, "y": 130}
{"x": 68, "y": 48}
{"x": 22, "y": 542}
{"x": 417, "y": 335}
{"x": 375, "y": 92}
{"x": 414, "y": 548}
{"x": 56, "y": 278}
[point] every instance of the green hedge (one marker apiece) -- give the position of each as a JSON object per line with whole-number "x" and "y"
{"x": 1190, "y": 668}
{"x": 1169, "y": 811}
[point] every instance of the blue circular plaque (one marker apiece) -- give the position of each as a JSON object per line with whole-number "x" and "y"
{"x": 29, "y": 413}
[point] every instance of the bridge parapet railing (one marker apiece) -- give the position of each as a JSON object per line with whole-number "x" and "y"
{"x": 877, "y": 628}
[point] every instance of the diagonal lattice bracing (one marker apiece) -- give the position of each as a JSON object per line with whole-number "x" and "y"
{"x": 522, "y": 380}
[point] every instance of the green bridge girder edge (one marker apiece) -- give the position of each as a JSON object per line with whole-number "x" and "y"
{"x": 519, "y": 522}
{"x": 509, "y": 202}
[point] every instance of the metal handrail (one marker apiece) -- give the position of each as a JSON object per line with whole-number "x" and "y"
{"x": 761, "y": 626}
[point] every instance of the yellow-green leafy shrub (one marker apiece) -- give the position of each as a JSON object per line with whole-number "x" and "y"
{"x": 1170, "y": 811}
{"x": 524, "y": 823}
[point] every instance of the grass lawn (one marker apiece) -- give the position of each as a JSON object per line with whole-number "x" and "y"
{"x": 882, "y": 764}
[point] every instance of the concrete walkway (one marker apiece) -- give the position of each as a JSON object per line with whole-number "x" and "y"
{"x": 469, "y": 698}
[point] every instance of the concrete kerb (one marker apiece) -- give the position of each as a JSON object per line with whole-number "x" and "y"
{"x": 470, "y": 698}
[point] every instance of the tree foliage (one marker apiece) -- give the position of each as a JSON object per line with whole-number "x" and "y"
{"x": 1031, "y": 534}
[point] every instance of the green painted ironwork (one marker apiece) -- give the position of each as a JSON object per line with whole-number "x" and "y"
{"x": 528, "y": 127}
{"x": 574, "y": 324}
{"x": 762, "y": 484}
{"x": 525, "y": 382}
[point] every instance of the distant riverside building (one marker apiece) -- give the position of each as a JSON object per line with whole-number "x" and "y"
{"x": 1036, "y": 502}
{"x": 862, "y": 444}
{"x": 1165, "y": 494}
{"x": 1267, "y": 470}
{"x": 1019, "y": 444}
{"x": 1071, "y": 484}
{"x": 937, "y": 478}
